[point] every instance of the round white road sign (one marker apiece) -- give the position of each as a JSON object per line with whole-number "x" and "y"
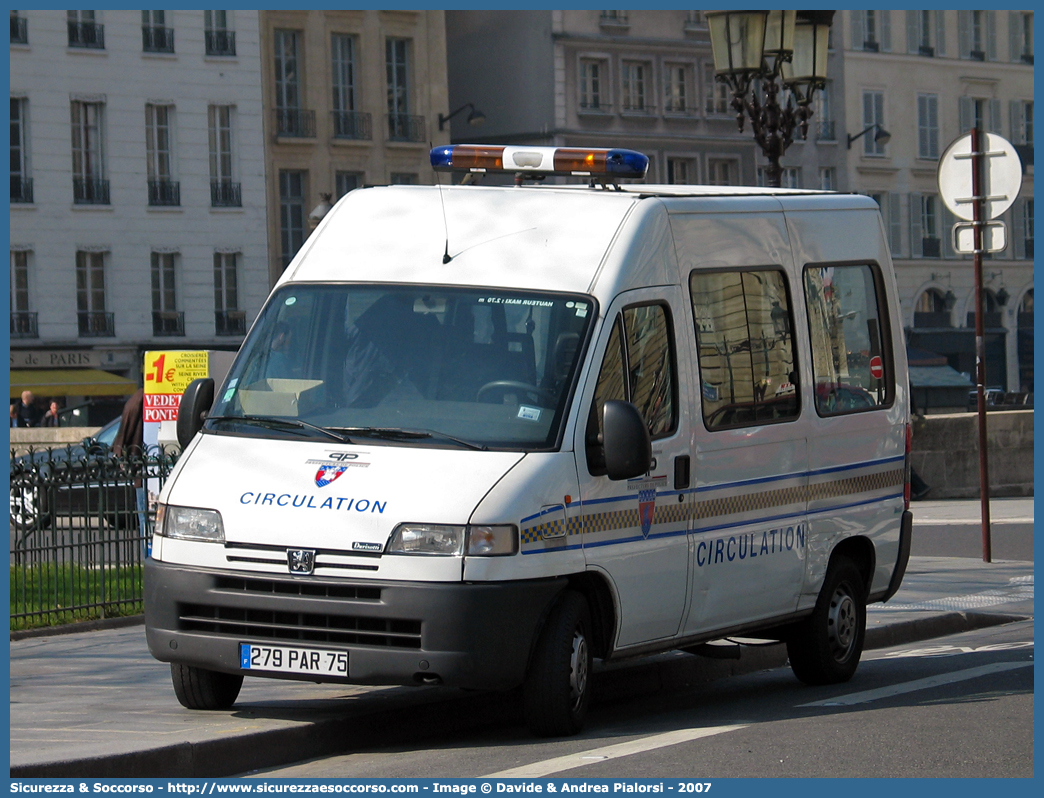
{"x": 1003, "y": 177}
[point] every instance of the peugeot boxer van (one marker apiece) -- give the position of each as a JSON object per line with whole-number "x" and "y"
{"x": 480, "y": 436}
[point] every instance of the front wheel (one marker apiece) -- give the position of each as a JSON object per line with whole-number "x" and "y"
{"x": 825, "y": 648}
{"x": 197, "y": 688}
{"x": 558, "y": 686}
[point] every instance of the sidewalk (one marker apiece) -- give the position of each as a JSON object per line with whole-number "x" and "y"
{"x": 953, "y": 528}
{"x": 96, "y": 704}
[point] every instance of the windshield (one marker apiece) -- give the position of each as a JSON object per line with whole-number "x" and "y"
{"x": 453, "y": 367}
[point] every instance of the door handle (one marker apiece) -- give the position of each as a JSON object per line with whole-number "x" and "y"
{"x": 681, "y": 472}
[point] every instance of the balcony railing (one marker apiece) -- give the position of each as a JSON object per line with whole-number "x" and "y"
{"x": 164, "y": 192}
{"x": 295, "y": 123}
{"x": 220, "y": 42}
{"x": 21, "y": 189}
{"x": 96, "y": 324}
{"x": 1027, "y": 58}
{"x": 230, "y": 322}
{"x": 352, "y": 125}
{"x": 19, "y": 30}
{"x": 225, "y": 194}
{"x": 977, "y": 55}
{"x": 926, "y": 51}
{"x": 168, "y": 322}
{"x": 931, "y": 247}
{"x": 404, "y": 127}
{"x": 155, "y": 39}
{"x": 825, "y": 130}
{"x": 90, "y": 191}
{"x": 23, "y": 324}
{"x": 595, "y": 107}
{"x": 872, "y": 46}
{"x": 87, "y": 34}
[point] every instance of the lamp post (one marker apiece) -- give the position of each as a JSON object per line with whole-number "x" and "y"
{"x": 475, "y": 116}
{"x": 759, "y": 52}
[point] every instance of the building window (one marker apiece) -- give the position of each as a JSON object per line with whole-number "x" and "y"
{"x": 634, "y": 77}
{"x": 163, "y": 189}
{"x": 1022, "y": 228}
{"x": 1021, "y": 122}
{"x": 985, "y": 114}
{"x": 84, "y": 30}
{"x": 348, "y": 123}
{"x": 23, "y": 320}
{"x": 722, "y": 172}
{"x": 93, "y": 320}
{"x": 931, "y": 310}
{"x": 744, "y": 344}
{"x": 347, "y": 181}
{"x": 976, "y": 34}
{"x": 156, "y": 37}
{"x": 790, "y": 177}
{"x": 928, "y": 126}
{"x": 677, "y": 89}
{"x": 924, "y": 221}
{"x": 892, "y": 217}
{"x": 872, "y": 31}
{"x": 925, "y": 33}
{"x": 873, "y": 114}
{"x": 21, "y": 183}
{"x": 828, "y": 178}
{"x": 823, "y": 117}
{"x": 681, "y": 171}
{"x": 613, "y": 19}
{"x": 1020, "y": 26}
{"x": 89, "y": 184}
{"x": 593, "y": 96}
{"x": 291, "y": 119}
{"x": 19, "y": 29}
{"x": 219, "y": 38}
{"x": 291, "y": 212}
{"x": 166, "y": 320}
{"x": 403, "y": 179}
{"x": 716, "y": 92}
{"x": 228, "y": 318}
{"x": 224, "y": 190}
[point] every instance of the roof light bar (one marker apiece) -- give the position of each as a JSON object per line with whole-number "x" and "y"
{"x": 583, "y": 161}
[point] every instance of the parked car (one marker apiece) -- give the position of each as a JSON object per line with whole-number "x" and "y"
{"x": 78, "y": 480}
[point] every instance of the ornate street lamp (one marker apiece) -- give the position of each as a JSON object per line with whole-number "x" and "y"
{"x": 766, "y": 51}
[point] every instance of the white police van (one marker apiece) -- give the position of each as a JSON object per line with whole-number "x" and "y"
{"x": 479, "y": 436}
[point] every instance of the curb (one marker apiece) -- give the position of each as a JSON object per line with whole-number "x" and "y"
{"x": 79, "y": 626}
{"x": 405, "y": 717}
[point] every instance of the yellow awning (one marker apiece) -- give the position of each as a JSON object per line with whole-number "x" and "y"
{"x": 46, "y": 383}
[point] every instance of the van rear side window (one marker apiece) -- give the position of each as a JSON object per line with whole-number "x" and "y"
{"x": 746, "y": 349}
{"x": 849, "y": 362}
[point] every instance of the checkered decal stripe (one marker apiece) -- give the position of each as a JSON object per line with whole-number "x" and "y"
{"x": 677, "y": 513}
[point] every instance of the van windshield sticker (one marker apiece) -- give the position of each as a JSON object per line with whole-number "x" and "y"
{"x": 290, "y": 300}
{"x": 529, "y": 413}
{"x": 516, "y": 300}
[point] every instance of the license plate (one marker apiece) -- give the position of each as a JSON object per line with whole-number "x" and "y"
{"x": 290, "y": 659}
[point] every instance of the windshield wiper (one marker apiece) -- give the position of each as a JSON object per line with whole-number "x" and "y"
{"x": 398, "y": 433}
{"x": 293, "y": 423}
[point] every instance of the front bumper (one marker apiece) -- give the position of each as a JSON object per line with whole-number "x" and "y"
{"x": 475, "y": 635}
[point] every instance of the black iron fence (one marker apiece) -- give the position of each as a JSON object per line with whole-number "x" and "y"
{"x": 81, "y": 527}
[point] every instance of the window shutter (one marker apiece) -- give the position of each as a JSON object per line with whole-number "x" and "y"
{"x": 1018, "y": 227}
{"x": 948, "y": 221}
{"x": 886, "y": 30}
{"x": 858, "y": 31}
{"x": 1015, "y": 122}
{"x": 995, "y": 117}
{"x": 991, "y": 37}
{"x": 913, "y": 32}
{"x": 940, "y": 32}
{"x": 922, "y": 126}
{"x": 1014, "y": 36}
{"x": 916, "y": 244}
{"x": 966, "y": 115}
{"x": 895, "y": 225}
{"x": 933, "y": 121}
{"x": 964, "y": 42}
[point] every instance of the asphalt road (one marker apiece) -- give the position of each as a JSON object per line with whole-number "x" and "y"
{"x": 959, "y": 706}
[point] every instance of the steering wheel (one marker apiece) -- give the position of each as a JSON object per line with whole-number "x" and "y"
{"x": 514, "y": 386}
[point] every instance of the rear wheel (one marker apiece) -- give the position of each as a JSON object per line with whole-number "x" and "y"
{"x": 197, "y": 688}
{"x": 28, "y": 509}
{"x": 825, "y": 648}
{"x": 558, "y": 686}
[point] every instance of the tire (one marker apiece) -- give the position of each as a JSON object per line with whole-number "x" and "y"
{"x": 557, "y": 689}
{"x": 825, "y": 648}
{"x": 197, "y": 688}
{"x": 28, "y": 508}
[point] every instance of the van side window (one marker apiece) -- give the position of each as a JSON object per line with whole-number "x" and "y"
{"x": 745, "y": 347}
{"x": 845, "y": 328}
{"x": 637, "y": 367}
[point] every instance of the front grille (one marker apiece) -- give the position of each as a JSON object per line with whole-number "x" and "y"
{"x": 309, "y": 627}
{"x": 297, "y": 588}
{"x": 276, "y": 555}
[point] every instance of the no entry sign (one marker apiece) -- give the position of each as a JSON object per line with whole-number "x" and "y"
{"x": 876, "y": 367}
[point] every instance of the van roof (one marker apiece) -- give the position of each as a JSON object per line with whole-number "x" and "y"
{"x": 546, "y": 238}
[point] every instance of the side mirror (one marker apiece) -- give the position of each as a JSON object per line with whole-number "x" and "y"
{"x": 195, "y": 402}
{"x": 627, "y": 446}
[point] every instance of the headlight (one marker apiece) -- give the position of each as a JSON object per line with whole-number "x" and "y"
{"x": 189, "y": 523}
{"x": 452, "y": 540}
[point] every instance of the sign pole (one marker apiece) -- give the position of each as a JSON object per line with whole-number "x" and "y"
{"x": 978, "y": 193}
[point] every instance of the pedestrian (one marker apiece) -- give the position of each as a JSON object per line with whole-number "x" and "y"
{"x": 50, "y": 418}
{"x": 130, "y": 445}
{"x": 28, "y": 414}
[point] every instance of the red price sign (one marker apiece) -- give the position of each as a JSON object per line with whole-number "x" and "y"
{"x": 876, "y": 367}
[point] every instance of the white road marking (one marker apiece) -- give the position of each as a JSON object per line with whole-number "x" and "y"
{"x": 1020, "y": 589}
{"x": 866, "y": 696}
{"x": 559, "y": 763}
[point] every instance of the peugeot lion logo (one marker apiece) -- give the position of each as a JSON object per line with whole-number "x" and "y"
{"x": 300, "y": 561}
